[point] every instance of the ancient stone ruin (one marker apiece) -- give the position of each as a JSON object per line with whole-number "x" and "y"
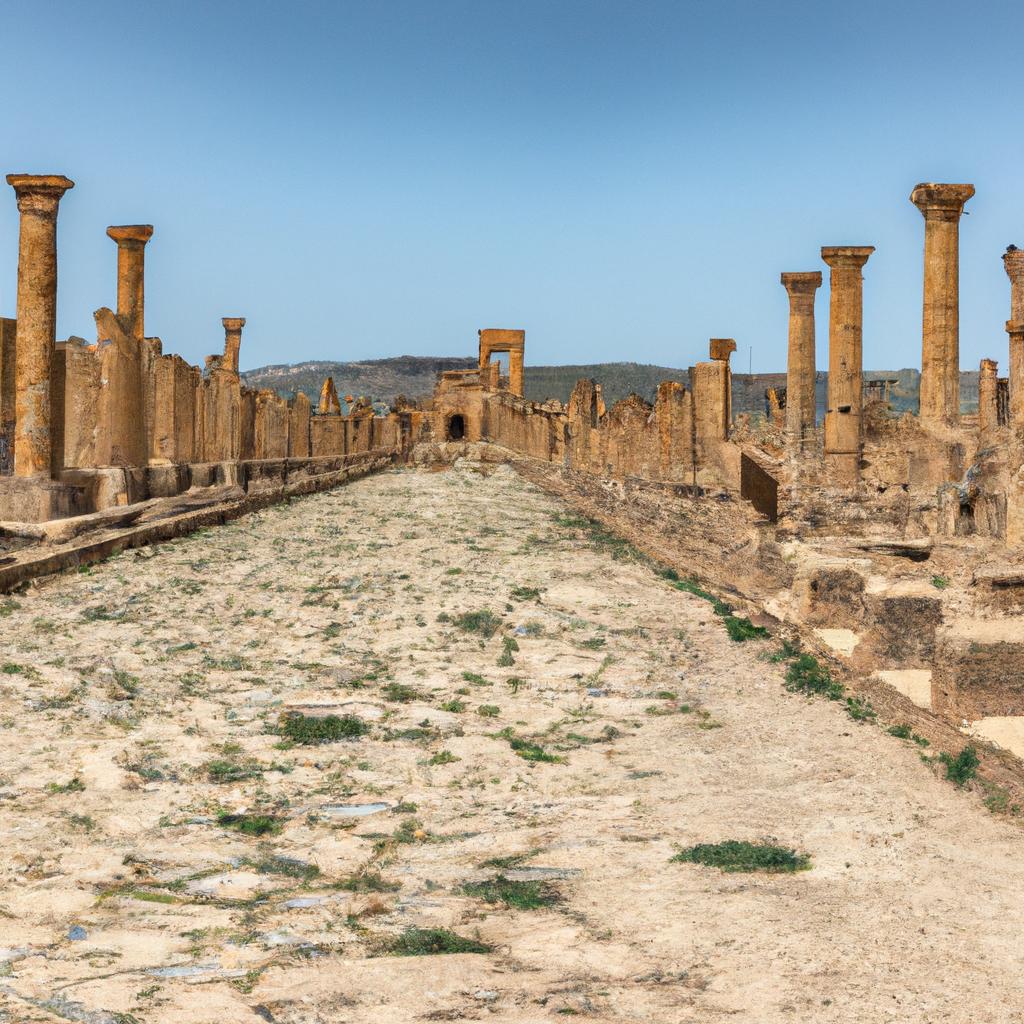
{"x": 93, "y": 433}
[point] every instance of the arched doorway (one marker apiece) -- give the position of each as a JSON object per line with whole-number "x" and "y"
{"x": 456, "y": 427}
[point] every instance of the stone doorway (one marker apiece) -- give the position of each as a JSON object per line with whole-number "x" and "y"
{"x": 456, "y": 427}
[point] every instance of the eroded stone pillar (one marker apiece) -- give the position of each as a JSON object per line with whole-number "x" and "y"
{"x": 131, "y": 275}
{"x": 515, "y": 372}
{"x": 1015, "y": 329}
{"x": 1013, "y": 261}
{"x": 38, "y": 197}
{"x": 988, "y": 398}
{"x": 845, "y": 360}
{"x": 941, "y": 206}
{"x": 801, "y": 370}
{"x": 232, "y": 341}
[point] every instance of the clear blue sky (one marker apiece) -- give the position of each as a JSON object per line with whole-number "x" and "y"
{"x": 623, "y": 180}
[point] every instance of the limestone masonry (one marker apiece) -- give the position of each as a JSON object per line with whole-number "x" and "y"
{"x": 87, "y": 427}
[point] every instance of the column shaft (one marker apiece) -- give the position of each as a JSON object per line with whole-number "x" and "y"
{"x": 131, "y": 275}
{"x": 941, "y": 206}
{"x": 515, "y": 372}
{"x": 38, "y": 197}
{"x": 801, "y": 371}
{"x": 232, "y": 341}
{"x": 1013, "y": 261}
{"x": 988, "y": 399}
{"x": 843, "y": 432}
{"x": 1015, "y": 329}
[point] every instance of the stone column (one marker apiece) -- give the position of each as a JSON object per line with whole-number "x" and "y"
{"x": 1013, "y": 261}
{"x": 845, "y": 360}
{"x": 232, "y": 341}
{"x": 515, "y": 372}
{"x": 801, "y": 370}
{"x": 38, "y": 197}
{"x": 1015, "y": 329}
{"x": 131, "y": 244}
{"x": 941, "y": 206}
{"x": 988, "y": 399}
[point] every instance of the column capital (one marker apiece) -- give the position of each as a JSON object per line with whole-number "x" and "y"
{"x": 39, "y": 193}
{"x": 1013, "y": 261}
{"x": 721, "y": 348}
{"x": 803, "y": 283}
{"x": 846, "y": 256}
{"x": 233, "y": 323}
{"x": 130, "y": 236}
{"x": 941, "y": 202}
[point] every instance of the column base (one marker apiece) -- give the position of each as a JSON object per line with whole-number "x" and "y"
{"x": 39, "y": 499}
{"x": 843, "y": 468}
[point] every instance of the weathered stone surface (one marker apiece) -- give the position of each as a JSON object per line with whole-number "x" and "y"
{"x": 298, "y": 427}
{"x": 121, "y": 430}
{"x": 979, "y": 669}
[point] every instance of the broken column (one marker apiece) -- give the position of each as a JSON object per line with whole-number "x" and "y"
{"x": 941, "y": 206}
{"x": 845, "y": 360}
{"x": 232, "y": 341}
{"x": 988, "y": 398}
{"x": 1013, "y": 261}
{"x": 131, "y": 244}
{"x": 329, "y": 404}
{"x": 38, "y": 197}
{"x": 801, "y": 371}
{"x": 1015, "y": 329}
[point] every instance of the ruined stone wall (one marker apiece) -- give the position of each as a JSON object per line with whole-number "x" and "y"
{"x": 534, "y": 430}
{"x": 633, "y": 438}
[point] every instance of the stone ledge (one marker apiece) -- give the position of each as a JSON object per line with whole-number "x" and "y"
{"x": 33, "y": 563}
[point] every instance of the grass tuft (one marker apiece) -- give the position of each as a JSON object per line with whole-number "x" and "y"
{"x": 250, "y": 824}
{"x": 807, "y": 675}
{"x": 484, "y": 622}
{"x": 433, "y": 942}
{"x": 518, "y": 895}
{"x": 738, "y": 855}
{"x": 962, "y": 768}
{"x": 308, "y": 730}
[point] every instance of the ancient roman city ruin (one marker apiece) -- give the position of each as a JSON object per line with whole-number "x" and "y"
{"x": 97, "y": 434}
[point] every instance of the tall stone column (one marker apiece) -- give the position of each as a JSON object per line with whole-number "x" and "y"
{"x": 941, "y": 206}
{"x": 800, "y": 368}
{"x": 38, "y": 196}
{"x": 1015, "y": 329}
{"x": 843, "y": 436}
{"x": 988, "y": 397}
{"x": 131, "y": 245}
{"x": 232, "y": 341}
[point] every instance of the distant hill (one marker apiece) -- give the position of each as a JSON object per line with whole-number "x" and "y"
{"x": 414, "y": 376}
{"x": 380, "y": 379}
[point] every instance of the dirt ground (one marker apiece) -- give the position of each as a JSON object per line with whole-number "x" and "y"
{"x": 142, "y": 708}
